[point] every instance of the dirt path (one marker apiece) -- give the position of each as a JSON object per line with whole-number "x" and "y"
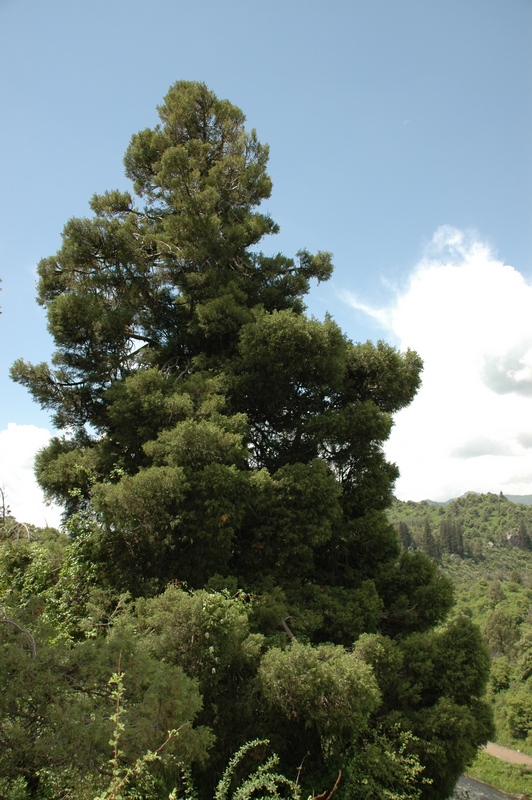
{"x": 505, "y": 754}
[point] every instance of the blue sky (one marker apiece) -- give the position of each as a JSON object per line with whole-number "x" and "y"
{"x": 400, "y": 135}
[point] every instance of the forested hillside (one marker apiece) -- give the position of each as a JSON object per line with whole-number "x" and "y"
{"x": 482, "y": 543}
{"x": 227, "y": 561}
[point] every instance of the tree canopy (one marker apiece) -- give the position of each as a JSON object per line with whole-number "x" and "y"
{"x": 220, "y": 459}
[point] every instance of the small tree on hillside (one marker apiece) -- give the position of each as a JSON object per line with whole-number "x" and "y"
{"x": 524, "y": 542}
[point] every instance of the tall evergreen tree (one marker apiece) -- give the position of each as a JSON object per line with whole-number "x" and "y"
{"x": 451, "y": 538}
{"x": 210, "y": 425}
{"x": 457, "y": 540}
{"x": 445, "y": 537}
{"x": 428, "y": 542}
{"x": 215, "y": 437}
{"x": 405, "y": 535}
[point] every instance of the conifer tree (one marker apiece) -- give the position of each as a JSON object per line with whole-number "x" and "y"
{"x": 451, "y": 538}
{"x": 428, "y": 542}
{"x": 214, "y": 437}
{"x": 405, "y": 535}
{"x": 209, "y": 424}
{"x": 524, "y": 542}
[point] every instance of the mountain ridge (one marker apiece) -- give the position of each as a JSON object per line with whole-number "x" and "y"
{"x": 518, "y": 499}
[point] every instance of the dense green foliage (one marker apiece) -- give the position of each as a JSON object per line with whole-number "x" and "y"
{"x": 492, "y": 575}
{"x": 225, "y": 489}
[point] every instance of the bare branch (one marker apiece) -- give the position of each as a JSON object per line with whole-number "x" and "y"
{"x": 287, "y": 630}
{"x": 27, "y": 634}
{"x": 324, "y": 795}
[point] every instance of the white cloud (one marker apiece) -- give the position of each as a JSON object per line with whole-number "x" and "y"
{"x": 18, "y": 446}
{"x": 470, "y": 427}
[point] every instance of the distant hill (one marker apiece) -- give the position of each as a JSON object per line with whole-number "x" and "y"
{"x": 465, "y": 526}
{"x": 523, "y": 499}
{"x": 520, "y": 499}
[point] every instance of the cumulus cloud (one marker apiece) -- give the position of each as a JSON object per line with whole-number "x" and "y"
{"x": 482, "y": 446}
{"x": 510, "y": 372}
{"x": 468, "y": 315}
{"x": 18, "y": 446}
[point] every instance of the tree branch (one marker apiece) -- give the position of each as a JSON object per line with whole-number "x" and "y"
{"x": 27, "y": 634}
{"x": 287, "y": 630}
